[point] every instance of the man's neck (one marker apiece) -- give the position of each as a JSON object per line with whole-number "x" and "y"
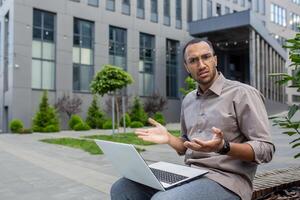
{"x": 205, "y": 87}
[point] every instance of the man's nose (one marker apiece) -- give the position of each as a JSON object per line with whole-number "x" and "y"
{"x": 201, "y": 63}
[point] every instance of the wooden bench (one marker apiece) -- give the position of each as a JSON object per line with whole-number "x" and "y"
{"x": 275, "y": 180}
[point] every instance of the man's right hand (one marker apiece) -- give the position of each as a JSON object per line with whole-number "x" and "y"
{"x": 158, "y": 134}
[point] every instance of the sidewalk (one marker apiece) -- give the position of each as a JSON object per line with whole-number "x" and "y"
{"x": 34, "y": 170}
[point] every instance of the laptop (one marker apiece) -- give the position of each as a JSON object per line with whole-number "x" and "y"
{"x": 130, "y": 164}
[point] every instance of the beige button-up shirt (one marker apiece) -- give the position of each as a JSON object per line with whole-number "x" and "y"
{"x": 238, "y": 110}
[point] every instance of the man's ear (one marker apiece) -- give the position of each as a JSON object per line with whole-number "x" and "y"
{"x": 216, "y": 60}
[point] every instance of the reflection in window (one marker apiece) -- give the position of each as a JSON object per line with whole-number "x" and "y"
{"x": 294, "y": 21}
{"x": 43, "y": 50}
{"x": 140, "y": 9}
{"x": 83, "y": 54}
{"x": 209, "y": 8}
{"x": 93, "y": 2}
{"x": 167, "y": 20}
{"x": 146, "y": 65}
{"x": 172, "y": 67}
{"x": 126, "y": 7}
{"x": 178, "y": 14}
{"x": 117, "y": 47}
{"x": 111, "y": 5}
{"x": 154, "y": 12}
{"x": 278, "y": 15}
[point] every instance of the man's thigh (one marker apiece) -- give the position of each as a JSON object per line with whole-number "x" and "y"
{"x": 125, "y": 189}
{"x": 200, "y": 189}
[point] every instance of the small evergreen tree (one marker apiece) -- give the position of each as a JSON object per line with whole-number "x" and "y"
{"x": 137, "y": 112}
{"x": 94, "y": 115}
{"x": 46, "y": 119}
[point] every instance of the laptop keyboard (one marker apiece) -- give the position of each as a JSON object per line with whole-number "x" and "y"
{"x": 167, "y": 177}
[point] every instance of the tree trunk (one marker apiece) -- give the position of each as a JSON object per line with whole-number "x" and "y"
{"x": 118, "y": 112}
{"x": 124, "y": 113}
{"x": 113, "y": 113}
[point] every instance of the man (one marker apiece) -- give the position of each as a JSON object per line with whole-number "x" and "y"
{"x": 225, "y": 130}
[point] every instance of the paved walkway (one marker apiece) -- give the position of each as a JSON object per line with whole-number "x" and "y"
{"x": 34, "y": 170}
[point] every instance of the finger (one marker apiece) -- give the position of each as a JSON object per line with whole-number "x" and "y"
{"x": 145, "y": 138}
{"x": 153, "y": 122}
{"x": 142, "y": 133}
{"x": 199, "y": 142}
{"x": 217, "y": 131}
{"x": 192, "y": 145}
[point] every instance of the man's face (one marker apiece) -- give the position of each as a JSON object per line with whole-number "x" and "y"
{"x": 201, "y": 63}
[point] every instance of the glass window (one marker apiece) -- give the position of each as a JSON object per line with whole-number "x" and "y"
{"x": 154, "y": 13}
{"x": 146, "y": 64}
{"x": 235, "y": 1}
{"x": 189, "y": 10}
{"x": 93, "y": 3}
{"x": 172, "y": 65}
{"x": 263, "y": 7}
{"x": 167, "y": 20}
{"x": 257, "y": 5}
{"x": 243, "y": 3}
{"x": 110, "y": 5}
{"x": 296, "y": 98}
{"x": 294, "y": 21}
{"x": 83, "y": 54}
{"x": 43, "y": 50}
{"x": 218, "y": 9}
{"x": 178, "y": 14}
{"x": 118, "y": 47}
{"x": 209, "y": 8}
{"x": 227, "y": 10}
{"x": 141, "y": 9}
{"x": 126, "y": 7}
{"x": 200, "y": 10}
{"x": 278, "y": 15}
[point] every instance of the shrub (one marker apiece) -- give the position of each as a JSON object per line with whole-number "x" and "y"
{"x": 94, "y": 114}
{"x": 108, "y": 124}
{"x": 82, "y": 127}
{"x": 100, "y": 123}
{"x": 50, "y": 128}
{"x": 45, "y": 117}
{"x": 158, "y": 116}
{"x": 75, "y": 119}
{"x": 69, "y": 105}
{"x": 154, "y": 103}
{"x": 136, "y": 124}
{"x": 137, "y": 112}
{"x": 127, "y": 120}
{"x": 16, "y": 125}
{"x": 26, "y": 131}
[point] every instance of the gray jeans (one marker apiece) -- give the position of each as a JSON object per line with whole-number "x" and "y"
{"x": 199, "y": 189}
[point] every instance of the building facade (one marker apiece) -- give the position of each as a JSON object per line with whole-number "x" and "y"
{"x": 59, "y": 45}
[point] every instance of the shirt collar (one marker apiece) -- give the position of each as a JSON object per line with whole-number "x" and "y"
{"x": 217, "y": 85}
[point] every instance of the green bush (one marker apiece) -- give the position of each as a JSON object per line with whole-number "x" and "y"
{"x": 159, "y": 117}
{"x": 16, "y": 125}
{"x": 94, "y": 115}
{"x": 26, "y": 131}
{"x": 100, "y": 123}
{"x": 136, "y": 124}
{"x": 127, "y": 120}
{"x": 82, "y": 127}
{"x": 46, "y": 116}
{"x": 50, "y": 128}
{"x": 75, "y": 119}
{"x": 108, "y": 124}
{"x": 137, "y": 112}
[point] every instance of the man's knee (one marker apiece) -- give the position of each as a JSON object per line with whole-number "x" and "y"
{"x": 118, "y": 188}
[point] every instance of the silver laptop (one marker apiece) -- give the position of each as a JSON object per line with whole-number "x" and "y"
{"x": 130, "y": 164}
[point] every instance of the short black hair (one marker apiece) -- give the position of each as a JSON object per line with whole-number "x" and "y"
{"x": 194, "y": 41}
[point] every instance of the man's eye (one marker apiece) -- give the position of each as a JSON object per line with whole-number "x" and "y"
{"x": 205, "y": 57}
{"x": 193, "y": 60}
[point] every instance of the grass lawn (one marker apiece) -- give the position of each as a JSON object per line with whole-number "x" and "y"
{"x": 127, "y": 138}
{"x": 86, "y": 145}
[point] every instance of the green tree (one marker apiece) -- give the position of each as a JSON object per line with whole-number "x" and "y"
{"x": 138, "y": 113}
{"x": 288, "y": 122}
{"x": 46, "y": 119}
{"x": 108, "y": 81}
{"x": 95, "y": 116}
{"x": 191, "y": 85}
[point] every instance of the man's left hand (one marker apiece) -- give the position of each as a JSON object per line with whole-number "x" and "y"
{"x": 213, "y": 145}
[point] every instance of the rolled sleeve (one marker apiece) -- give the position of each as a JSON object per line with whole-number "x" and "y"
{"x": 254, "y": 124}
{"x": 263, "y": 151}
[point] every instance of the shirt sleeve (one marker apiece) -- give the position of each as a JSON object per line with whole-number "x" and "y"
{"x": 183, "y": 136}
{"x": 254, "y": 124}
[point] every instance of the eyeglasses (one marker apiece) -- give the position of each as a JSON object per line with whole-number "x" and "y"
{"x": 195, "y": 60}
